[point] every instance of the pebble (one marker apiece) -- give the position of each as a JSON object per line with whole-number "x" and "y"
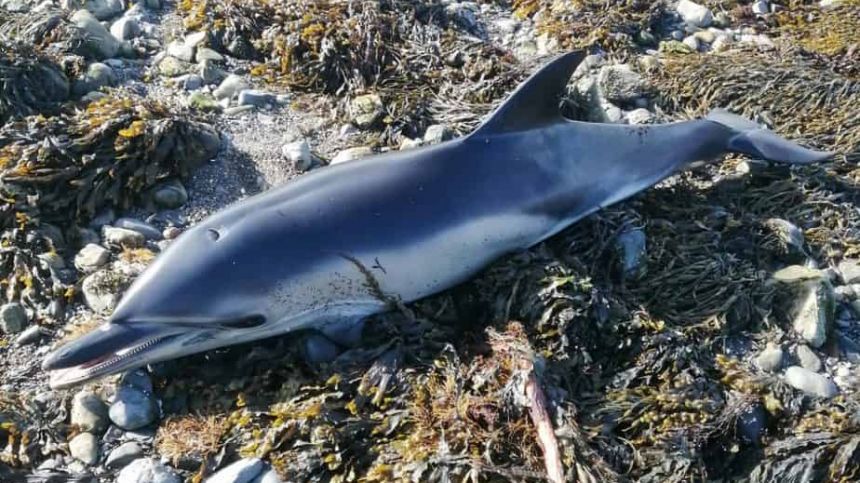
{"x": 705, "y": 36}
{"x": 232, "y": 111}
{"x": 132, "y": 408}
{"x": 809, "y": 382}
{"x": 620, "y": 83}
{"x": 770, "y": 359}
{"x": 190, "y": 82}
{"x": 639, "y": 116}
{"x": 692, "y": 42}
{"x": 752, "y": 423}
{"x": 85, "y": 448}
{"x": 437, "y": 133}
{"x": 170, "y": 194}
{"x": 147, "y": 470}
{"x": 207, "y": 54}
{"x": 101, "y": 9}
{"x": 695, "y": 14}
{"x": 211, "y": 73}
{"x": 52, "y": 260}
{"x": 99, "y": 41}
{"x": 89, "y": 412}
{"x": 722, "y": 19}
{"x": 126, "y": 28}
{"x": 98, "y": 75}
{"x": 814, "y": 312}
{"x": 13, "y": 318}
{"x": 351, "y": 154}
{"x": 29, "y": 336}
{"x": 256, "y": 98}
{"x": 123, "y": 237}
{"x": 229, "y": 86}
{"x": 194, "y": 39}
{"x": 408, "y": 143}
{"x": 721, "y": 43}
{"x": 299, "y": 154}
{"x": 807, "y": 358}
{"x": 91, "y": 257}
{"x": 366, "y": 110}
{"x": 142, "y": 227}
{"x": 180, "y": 50}
{"x": 123, "y": 455}
{"x": 242, "y": 471}
{"x": 138, "y": 379}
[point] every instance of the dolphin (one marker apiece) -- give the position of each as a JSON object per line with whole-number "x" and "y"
{"x": 332, "y": 247}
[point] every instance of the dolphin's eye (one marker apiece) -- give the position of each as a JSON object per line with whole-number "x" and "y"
{"x": 246, "y": 323}
{"x": 213, "y": 234}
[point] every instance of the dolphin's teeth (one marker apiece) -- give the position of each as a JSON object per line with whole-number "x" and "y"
{"x": 123, "y": 355}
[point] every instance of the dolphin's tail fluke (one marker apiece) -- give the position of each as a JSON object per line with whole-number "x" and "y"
{"x": 751, "y": 139}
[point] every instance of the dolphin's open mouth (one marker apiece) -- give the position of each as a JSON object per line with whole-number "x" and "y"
{"x": 109, "y": 349}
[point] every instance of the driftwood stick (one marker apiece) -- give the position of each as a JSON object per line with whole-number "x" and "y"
{"x": 546, "y": 434}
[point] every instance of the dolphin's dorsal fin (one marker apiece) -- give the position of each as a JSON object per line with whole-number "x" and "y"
{"x": 536, "y": 101}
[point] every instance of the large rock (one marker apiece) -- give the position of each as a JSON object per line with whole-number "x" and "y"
{"x": 99, "y": 43}
{"x": 85, "y": 448}
{"x": 146, "y": 470}
{"x": 242, "y": 471}
{"x": 133, "y": 408}
{"x": 620, "y": 83}
{"x": 91, "y": 257}
{"x": 809, "y": 382}
{"x": 694, "y": 14}
{"x": 103, "y": 289}
{"x": 13, "y": 318}
{"x": 126, "y": 28}
{"x": 123, "y": 455}
{"x": 89, "y": 413}
{"x": 122, "y": 237}
{"x": 170, "y": 194}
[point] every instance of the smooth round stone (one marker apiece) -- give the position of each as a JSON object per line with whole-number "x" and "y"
{"x": 811, "y": 383}
{"x": 170, "y": 195}
{"x": 137, "y": 378}
{"x": 142, "y": 227}
{"x": 133, "y": 408}
{"x": 770, "y": 359}
{"x": 13, "y": 318}
{"x": 146, "y": 470}
{"x": 807, "y": 358}
{"x": 89, "y": 412}
{"x": 123, "y": 237}
{"x": 85, "y": 448}
{"x": 123, "y": 455}
{"x": 242, "y": 471}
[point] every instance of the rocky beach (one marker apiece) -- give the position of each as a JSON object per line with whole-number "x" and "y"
{"x": 707, "y": 329}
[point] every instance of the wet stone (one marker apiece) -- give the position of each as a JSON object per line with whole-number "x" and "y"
{"x": 99, "y": 41}
{"x": 29, "y": 336}
{"x": 91, "y": 257}
{"x": 89, "y": 413}
{"x": 138, "y": 379}
{"x": 807, "y": 358}
{"x": 147, "y": 470}
{"x": 123, "y": 237}
{"x": 123, "y": 455}
{"x": 133, "y": 408}
{"x": 85, "y": 448}
{"x": 98, "y": 75}
{"x": 142, "y": 227}
{"x": 13, "y": 318}
{"x": 810, "y": 383}
{"x": 170, "y": 194}
{"x": 242, "y": 471}
{"x": 770, "y": 359}
{"x": 632, "y": 250}
{"x": 437, "y": 133}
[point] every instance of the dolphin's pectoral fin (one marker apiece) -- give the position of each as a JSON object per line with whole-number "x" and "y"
{"x": 751, "y": 139}
{"x": 326, "y": 343}
{"x": 536, "y": 101}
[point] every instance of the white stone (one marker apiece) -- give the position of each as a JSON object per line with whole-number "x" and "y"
{"x": 351, "y": 154}
{"x": 809, "y": 382}
{"x": 695, "y": 14}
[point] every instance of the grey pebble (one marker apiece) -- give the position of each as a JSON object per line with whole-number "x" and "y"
{"x": 242, "y": 471}
{"x": 13, "y": 318}
{"x": 811, "y": 383}
{"x": 123, "y": 455}
{"x": 142, "y": 227}
{"x": 89, "y": 412}
{"x": 147, "y": 470}
{"x": 123, "y": 237}
{"x": 85, "y": 448}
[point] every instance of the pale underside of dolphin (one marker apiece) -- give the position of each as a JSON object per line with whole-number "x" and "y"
{"x": 335, "y": 246}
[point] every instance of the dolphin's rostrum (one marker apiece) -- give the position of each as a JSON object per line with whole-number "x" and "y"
{"x": 326, "y": 250}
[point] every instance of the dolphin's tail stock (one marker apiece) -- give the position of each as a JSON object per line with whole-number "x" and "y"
{"x": 753, "y": 140}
